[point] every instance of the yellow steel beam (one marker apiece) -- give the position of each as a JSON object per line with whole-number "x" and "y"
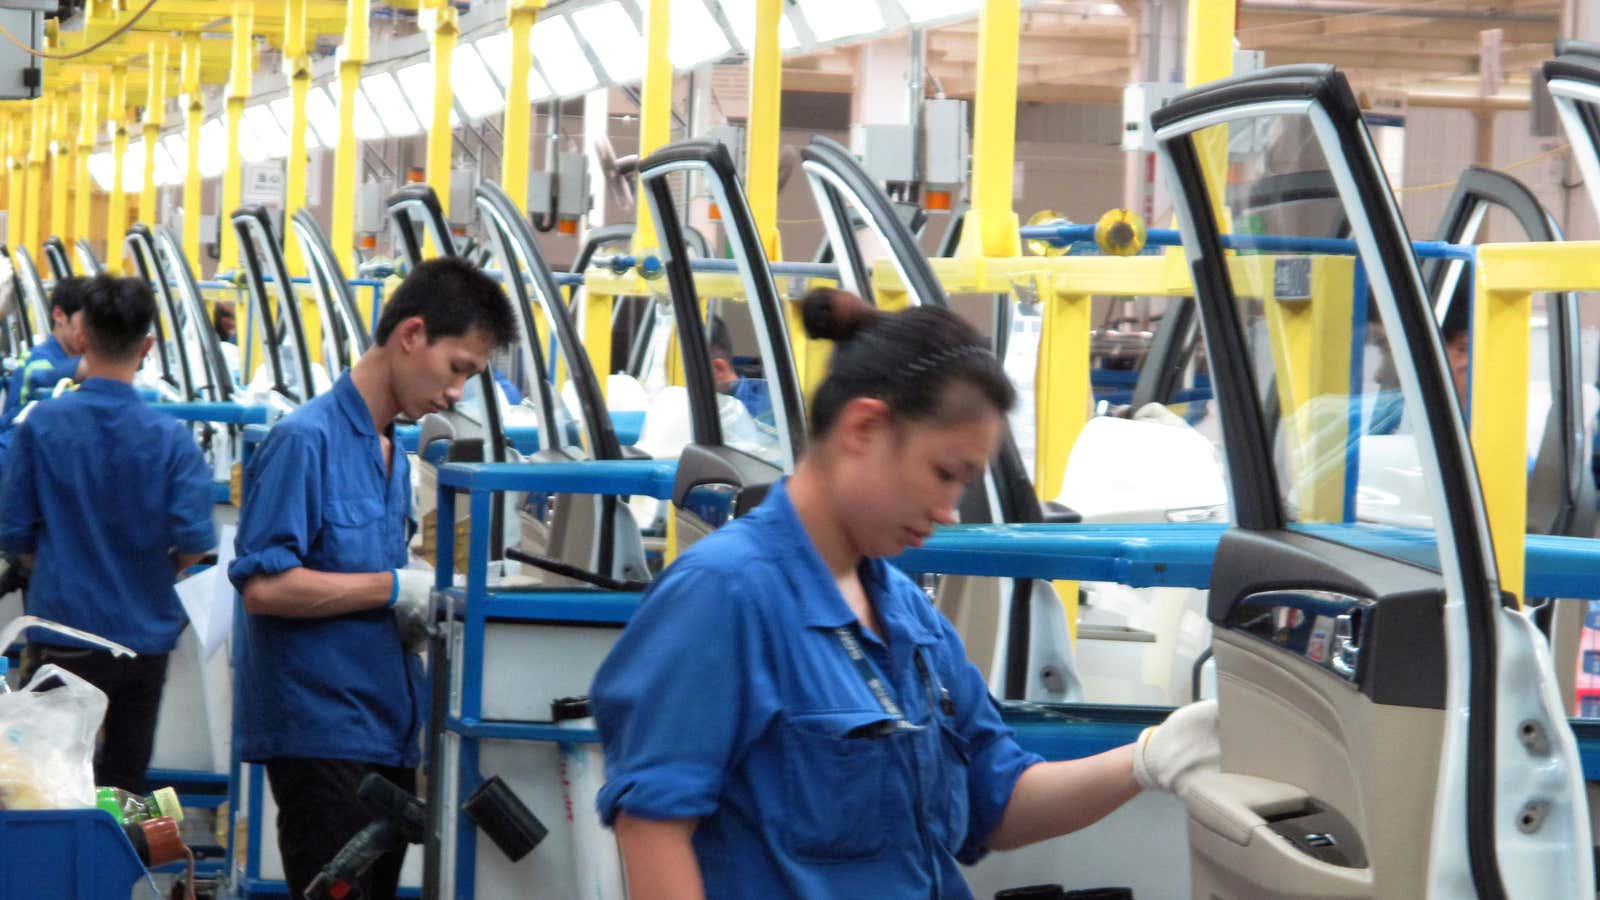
{"x": 438, "y": 18}
{"x": 88, "y": 134}
{"x": 1208, "y": 57}
{"x": 39, "y": 125}
{"x": 762, "y": 135}
{"x": 194, "y": 107}
{"x": 117, "y": 207}
{"x": 991, "y": 225}
{"x": 240, "y": 69}
{"x": 655, "y": 111}
{"x": 60, "y": 165}
{"x": 1062, "y": 394}
{"x": 352, "y": 55}
{"x": 514, "y": 155}
{"x": 16, "y": 174}
{"x": 297, "y": 65}
{"x": 154, "y": 111}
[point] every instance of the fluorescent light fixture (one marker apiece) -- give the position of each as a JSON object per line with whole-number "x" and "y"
{"x": 133, "y": 167}
{"x": 696, "y": 37}
{"x": 416, "y": 82}
{"x": 611, "y": 34}
{"x": 927, "y": 10}
{"x": 367, "y": 124}
{"x": 103, "y": 169}
{"x": 742, "y": 19}
{"x": 390, "y": 105}
{"x": 474, "y": 88}
{"x": 265, "y": 139}
{"x": 283, "y": 111}
{"x": 556, "y": 50}
{"x": 496, "y": 52}
{"x": 213, "y": 148}
{"x": 831, "y": 20}
{"x": 323, "y": 115}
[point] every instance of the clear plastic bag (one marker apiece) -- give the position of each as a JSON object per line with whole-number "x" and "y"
{"x": 47, "y": 739}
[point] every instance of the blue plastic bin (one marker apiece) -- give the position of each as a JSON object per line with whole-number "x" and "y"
{"x": 70, "y": 854}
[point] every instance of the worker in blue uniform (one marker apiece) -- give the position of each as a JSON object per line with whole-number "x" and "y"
{"x": 329, "y": 686}
{"x": 787, "y": 715}
{"x": 57, "y": 357}
{"x": 753, "y": 393}
{"x": 108, "y": 500}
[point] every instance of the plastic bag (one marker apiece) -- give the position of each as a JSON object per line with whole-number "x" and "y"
{"x": 47, "y": 742}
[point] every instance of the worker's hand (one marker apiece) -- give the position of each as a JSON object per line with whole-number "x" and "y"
{"x": 412, "y": 605}
{"x": 1169, "y": 754}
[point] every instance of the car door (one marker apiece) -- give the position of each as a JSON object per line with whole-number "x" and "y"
{"x": 733, "y": 454}
{"x": 88, "y": 262}
{"x": 1388, "y": 716}
{"x": 174, "y": 370}
{"x": 32, "y": 296}
{"x": 292, "y": 373}
{"x": 55, "y": 255}
{"x": 344, "y": 337}
{"x": 1015, "y": 631}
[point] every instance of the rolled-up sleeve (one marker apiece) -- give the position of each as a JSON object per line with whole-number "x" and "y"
{"x": 997, "y": 760}
{"x": 677, "y": 701}
{"x": 282, "y": 510}
{"x": 20, "y": 513}
{"x": 189, "y": 518}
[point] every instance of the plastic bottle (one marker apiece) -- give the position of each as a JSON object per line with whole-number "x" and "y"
{"x": 129, "y": 808}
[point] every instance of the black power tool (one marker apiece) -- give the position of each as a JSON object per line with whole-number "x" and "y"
{"x": 398, "y": 819}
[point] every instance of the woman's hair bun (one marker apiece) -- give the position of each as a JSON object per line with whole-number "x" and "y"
{"x": 831, "y": 314}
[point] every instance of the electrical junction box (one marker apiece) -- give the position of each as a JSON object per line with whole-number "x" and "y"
{"x": 732, "y": 137}
{"x": 1139, "y": 100}
{"x": 572, "y": 187}
{"x": 463, "y": 185}
{"x": 21, "y": 75}
{"x": 946, "y": 142}
{"x": 541, "y": 191}
{"x": 887, "y": 152}
{"x": 369, "y": 211}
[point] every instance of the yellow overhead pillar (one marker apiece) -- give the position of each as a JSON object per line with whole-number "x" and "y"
{"x": 991, "y": 228}
{"x": 16, "y": 177}
{"x": 194, "y": 107}
{"x": 438, "y": 18}
{"x": 39, "y": 135}
{"x": 655, "y": 110}
{"x": 297, "y": 66}
{"x": 60, "y": 166}
{"x": 514, "y": 155}
{"x": 1208, "y": 57}
{"x": 88, "y": 133}
{"x": 244, "y": 24}
{"x": 762, "y": 140}
{"x": 352, "y": 54}
{"x": 154, "y": 110}
{"x": 117, "y": 208}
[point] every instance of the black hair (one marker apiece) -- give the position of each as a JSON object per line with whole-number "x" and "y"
{"x": 117, "y": 313}
{"x": 908, "y": 359}
{"x": 68, "y": 295}
{"x": 718, "y": 343}
{"x": 453, "y": 297}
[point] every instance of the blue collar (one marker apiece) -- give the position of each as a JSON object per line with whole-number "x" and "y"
{"x": 353, "y": 405}
{"x": 816, "y": 591}
{"x": 109, "y": 387}
{"x": 50, "y": 344}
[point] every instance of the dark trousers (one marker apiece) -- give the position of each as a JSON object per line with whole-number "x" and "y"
{"x": 318, "y": 811}
{"x": 133, "y": 692}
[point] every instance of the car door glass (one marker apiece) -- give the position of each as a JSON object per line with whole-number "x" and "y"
{"x": 1344, "y": 441}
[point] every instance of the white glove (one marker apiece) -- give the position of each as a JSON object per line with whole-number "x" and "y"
{"x": 1169, "y": 754}
{"x": 412, "y": 605}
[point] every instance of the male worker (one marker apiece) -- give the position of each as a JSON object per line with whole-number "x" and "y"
{"x": 108, "y": 500}
{"x": 754, "y": 393}
{"x": 56, "y": 358}
{"x": 328, "y": 690}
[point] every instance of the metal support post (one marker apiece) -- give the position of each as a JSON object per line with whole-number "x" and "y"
{"x": 194, "y": 107}
{"x": 297, "y": 66}
{"x": 117, "y": 207}
{"x": 655, "y": 112}
{"x": 991, "y": 225}
{"x": 60, "y": 166}
{"x": 154, "y": 111}
{"x": 517, "y": 137}
{"x": 439, "y": 21}
{"x": 88, "y": 131}
{"x": 239, "y": 72}
{"x": 346, "y": 174}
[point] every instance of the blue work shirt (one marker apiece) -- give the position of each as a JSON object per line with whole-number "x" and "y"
{"x": 729, "y": 698}
{"x": 44, "y": 366}
{"x": 105, "y": 489}
{"x": 755, "y": 395}
{"x": 343, "y": 687}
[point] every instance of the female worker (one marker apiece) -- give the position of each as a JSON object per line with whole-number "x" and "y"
{"x": 788, "y": 715}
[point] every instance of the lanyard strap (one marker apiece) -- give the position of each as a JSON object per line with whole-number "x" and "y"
{"x": 852, "y": 649}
